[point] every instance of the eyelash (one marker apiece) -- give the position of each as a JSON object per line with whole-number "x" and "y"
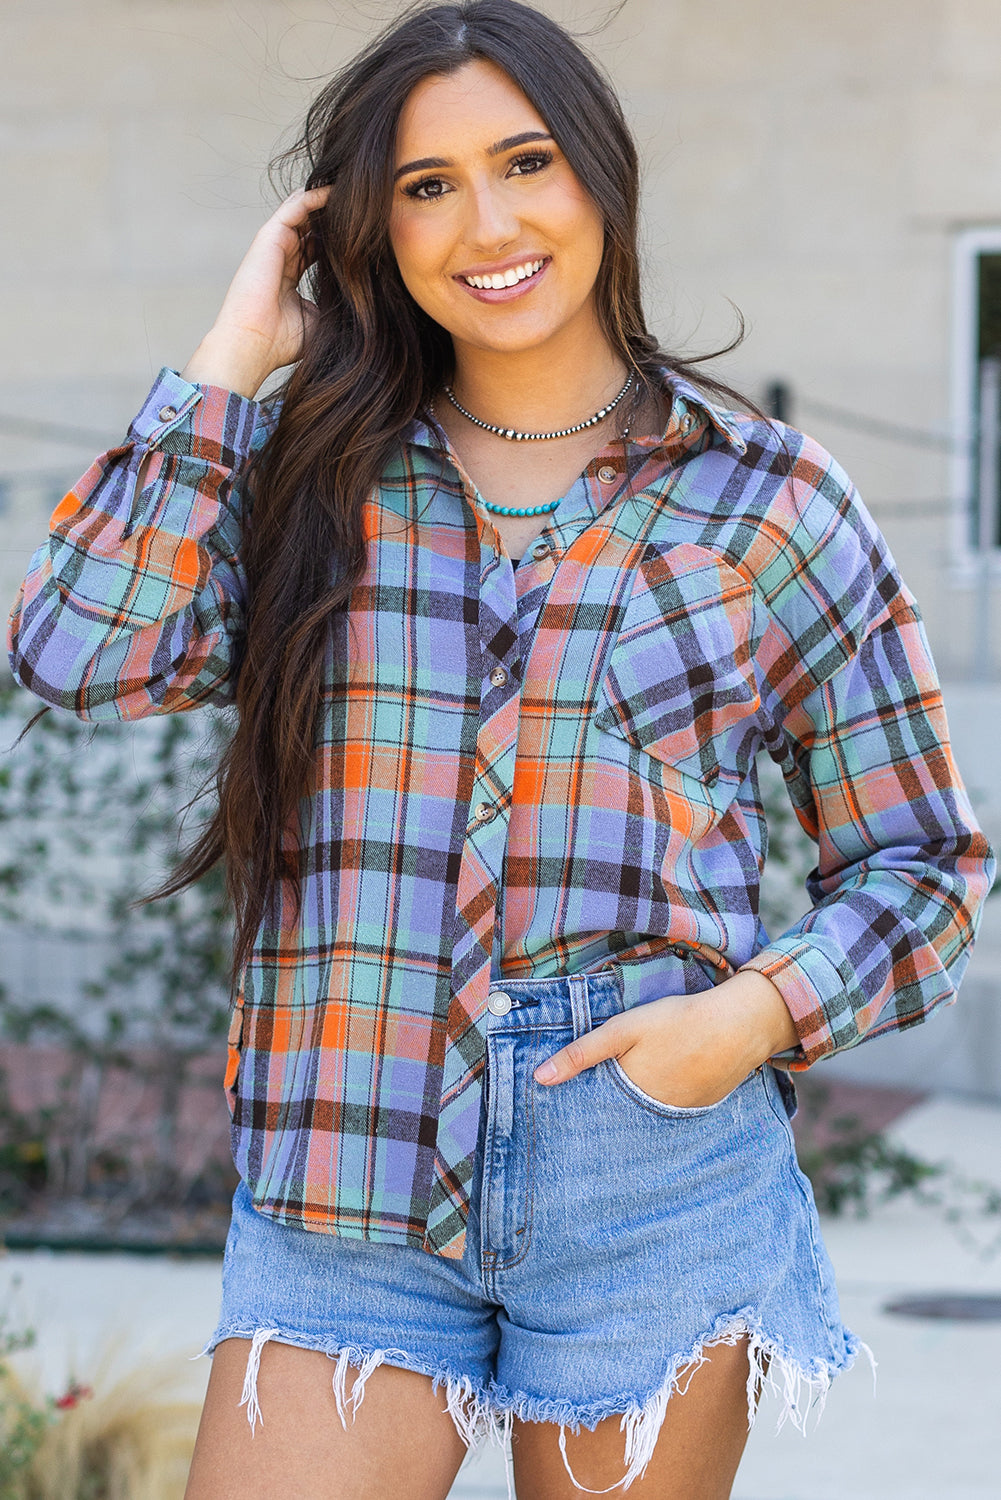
{"x": 413, "y": 189}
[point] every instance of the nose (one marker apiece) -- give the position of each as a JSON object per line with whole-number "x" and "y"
{"x": 493, "y": 223}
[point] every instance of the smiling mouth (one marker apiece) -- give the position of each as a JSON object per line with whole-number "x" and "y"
{"x": 503, "y": 281}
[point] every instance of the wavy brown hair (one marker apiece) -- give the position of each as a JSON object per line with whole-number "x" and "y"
{"x": 374, "y": 360}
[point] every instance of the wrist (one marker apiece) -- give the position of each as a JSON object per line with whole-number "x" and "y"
{"x": 230, "y": 361}
{"x": 752, "y": 1015}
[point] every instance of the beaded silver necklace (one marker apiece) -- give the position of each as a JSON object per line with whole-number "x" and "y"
{"x": 514, "y": 436}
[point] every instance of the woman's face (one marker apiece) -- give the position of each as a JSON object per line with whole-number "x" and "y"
{"x": 482, "y": 191}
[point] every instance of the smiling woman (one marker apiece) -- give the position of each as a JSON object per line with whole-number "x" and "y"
{"x": 461, "y": 235}
{"x": 510, "y": 1052}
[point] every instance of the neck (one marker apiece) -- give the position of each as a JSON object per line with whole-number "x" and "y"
{"x": 549, "y": 386}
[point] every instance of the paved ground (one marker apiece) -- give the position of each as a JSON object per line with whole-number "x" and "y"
{"x": 929, "y": 1433}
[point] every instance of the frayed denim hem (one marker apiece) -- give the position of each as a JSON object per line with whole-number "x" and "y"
{"x": 466, "y": 1405}
{"x": 800, "y": 1389}
{"x": 481, "y": 1415}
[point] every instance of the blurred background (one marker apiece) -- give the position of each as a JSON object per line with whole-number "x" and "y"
{"x": 832, "y": 171}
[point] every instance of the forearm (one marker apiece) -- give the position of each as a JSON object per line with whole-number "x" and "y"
{"x": 887, "y": 948}
{"x": 141, "y": 569}
{"x": 234, "y": 364}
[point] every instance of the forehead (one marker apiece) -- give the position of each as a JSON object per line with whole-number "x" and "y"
{"x": 470, "y": 109}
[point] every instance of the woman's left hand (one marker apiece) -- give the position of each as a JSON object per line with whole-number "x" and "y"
{"x": 686, "y": 1050}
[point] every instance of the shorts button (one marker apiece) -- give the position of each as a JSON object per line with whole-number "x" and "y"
{"x": 485, "y": 813}
{"x": 167, "y": 413}
{"x": 607, "y": 474}
{"x": 499, "y": 1003}
{"x": 498, "y": 677}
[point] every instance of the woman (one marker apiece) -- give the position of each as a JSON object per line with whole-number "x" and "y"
{"x": 510, "y": 1049}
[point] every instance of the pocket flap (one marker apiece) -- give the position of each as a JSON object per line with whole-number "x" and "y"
{"x": 680, "y": 682}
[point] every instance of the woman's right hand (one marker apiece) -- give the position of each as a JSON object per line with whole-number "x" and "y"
{"x": 263, "y": 321}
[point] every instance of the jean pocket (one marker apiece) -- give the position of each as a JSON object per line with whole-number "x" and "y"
{"x": 646, "y": 1101}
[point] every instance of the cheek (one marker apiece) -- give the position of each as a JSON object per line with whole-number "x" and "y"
{"x": 402, "y": 241}
{"x": 415, "y": 245}
{"x": 579, "y": 224}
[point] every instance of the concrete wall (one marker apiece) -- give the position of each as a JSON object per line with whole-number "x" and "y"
{"x": 812, "y": 163}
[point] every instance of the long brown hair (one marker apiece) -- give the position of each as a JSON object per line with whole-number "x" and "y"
{"x": 373, "y": 361}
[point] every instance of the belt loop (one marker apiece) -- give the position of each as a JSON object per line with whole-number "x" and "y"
{"x": 579, "y": 1007}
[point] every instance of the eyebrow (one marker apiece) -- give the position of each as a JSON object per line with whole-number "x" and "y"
{"x": 497, "y": 149}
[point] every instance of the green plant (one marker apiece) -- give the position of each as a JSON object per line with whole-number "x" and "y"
{"x": 853, "y": 1169}
{"x": 22, "y": 1422}
{"x": 128, "y": 1437}
{"x": 90, "y": 818}
{"x": 851, "y": 1166}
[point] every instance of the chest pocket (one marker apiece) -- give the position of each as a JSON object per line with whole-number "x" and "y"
{"x": 680, "y": 682}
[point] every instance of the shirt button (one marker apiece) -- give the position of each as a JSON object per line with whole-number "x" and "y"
{"x": 485, "y": 813}
{"x": 607, "y": 474}
{"x": 498, "y": 677}
{"x": 499, "y": 1003}
{"x": 541, "y": 550}
{"x": 167, "y": 413}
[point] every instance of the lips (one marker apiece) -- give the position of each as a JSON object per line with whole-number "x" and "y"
{"x": 504, "y": 283}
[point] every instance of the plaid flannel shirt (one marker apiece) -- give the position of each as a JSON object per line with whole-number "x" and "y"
{"x": 531, "y": 770}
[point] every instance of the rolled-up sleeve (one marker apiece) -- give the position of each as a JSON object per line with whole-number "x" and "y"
{"x": 861, "y": 733}
{"x": 135, "y": 604}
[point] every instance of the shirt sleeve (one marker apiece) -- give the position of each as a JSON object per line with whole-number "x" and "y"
{"x": 135, "y": 604}
{"x": 859, "y": 728}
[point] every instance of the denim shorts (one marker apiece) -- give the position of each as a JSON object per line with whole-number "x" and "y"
{"x": 612, "y": 1239}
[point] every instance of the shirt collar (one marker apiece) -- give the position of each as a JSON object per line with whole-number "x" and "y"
{"x": 687, "y": 402}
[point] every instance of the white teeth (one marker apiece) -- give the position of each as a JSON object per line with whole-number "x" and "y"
{"x": 508, "y": 278}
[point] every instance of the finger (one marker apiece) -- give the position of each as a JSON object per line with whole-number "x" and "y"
{"x": 298, "y": 206}
{"x": 604, "y": 1041}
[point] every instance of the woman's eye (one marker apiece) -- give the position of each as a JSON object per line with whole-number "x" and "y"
{"x": 427, "y": 189}
{"x": 530, "y": 164}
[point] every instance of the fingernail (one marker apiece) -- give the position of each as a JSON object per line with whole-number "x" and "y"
{"x": 546, "y": 1072}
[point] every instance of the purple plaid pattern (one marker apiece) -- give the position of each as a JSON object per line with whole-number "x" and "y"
{"x": 598, "y": 805}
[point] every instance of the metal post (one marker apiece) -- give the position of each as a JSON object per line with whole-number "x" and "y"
{"x": 988, "y": 508}
{"x": 778, "y": 400}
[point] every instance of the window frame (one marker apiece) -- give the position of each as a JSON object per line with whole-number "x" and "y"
{"x": 968, "y": 246}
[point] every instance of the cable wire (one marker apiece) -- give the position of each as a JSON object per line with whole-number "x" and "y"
{"x": 894, "y": 432}
{"x": 56, "y": 432}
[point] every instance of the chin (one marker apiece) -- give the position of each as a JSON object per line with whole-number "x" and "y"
{"x": 500, "y": 340}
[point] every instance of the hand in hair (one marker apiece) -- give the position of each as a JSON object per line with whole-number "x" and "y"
{"x": 263, "y": 321}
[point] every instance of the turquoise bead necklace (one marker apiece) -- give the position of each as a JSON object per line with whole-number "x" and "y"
{"x": 514, "y": 436}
